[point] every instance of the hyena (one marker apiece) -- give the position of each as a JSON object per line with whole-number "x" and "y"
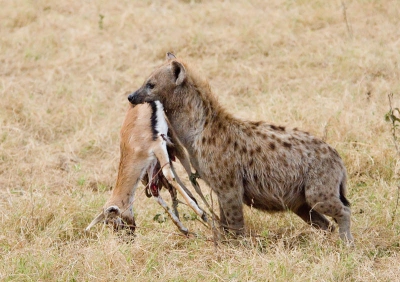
{"x": 268, "y": 167}
{"x": 143, "y": 147}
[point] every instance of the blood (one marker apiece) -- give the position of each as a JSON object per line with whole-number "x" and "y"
{"x": 154, "y": 189}
{"x": 156, "y": 184}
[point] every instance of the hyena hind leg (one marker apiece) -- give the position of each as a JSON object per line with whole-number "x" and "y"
{"x": 343, "y": 220}
{"x": 331, "y": 205}
{"x": 314, "y": 218}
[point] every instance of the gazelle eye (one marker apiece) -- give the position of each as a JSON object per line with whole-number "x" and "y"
{"x": 150, "y": 85}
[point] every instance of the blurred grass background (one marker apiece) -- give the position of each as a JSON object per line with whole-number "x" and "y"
{"x": 66, "y": 68}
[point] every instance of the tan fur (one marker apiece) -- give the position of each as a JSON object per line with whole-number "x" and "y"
{"x": 140, "y": 151}
{"x": 269, "y": 167}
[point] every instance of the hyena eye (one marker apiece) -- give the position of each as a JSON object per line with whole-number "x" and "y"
{"x": 150, "y": 85}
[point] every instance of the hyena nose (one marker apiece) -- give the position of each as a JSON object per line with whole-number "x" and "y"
{"x": 131, "y": 97}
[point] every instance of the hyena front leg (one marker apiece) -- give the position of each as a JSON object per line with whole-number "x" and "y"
{"x": 231, "y": 212}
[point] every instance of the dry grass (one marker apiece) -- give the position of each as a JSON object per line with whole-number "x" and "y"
{"x": 65, "y": 70}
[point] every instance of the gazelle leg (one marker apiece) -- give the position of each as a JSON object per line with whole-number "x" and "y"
{"x": 162, "y": 156}
{"x": 188, "y": 200}
{"x": 171, "y": 214}
{"x": 173, "y": 194}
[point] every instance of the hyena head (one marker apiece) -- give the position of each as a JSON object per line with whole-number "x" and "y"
{"x": 162, "y": 83}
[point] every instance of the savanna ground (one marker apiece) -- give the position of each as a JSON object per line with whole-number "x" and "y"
{"x": 66, "y": 68}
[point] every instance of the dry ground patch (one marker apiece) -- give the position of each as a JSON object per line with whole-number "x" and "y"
{"x": 65, "y": 70}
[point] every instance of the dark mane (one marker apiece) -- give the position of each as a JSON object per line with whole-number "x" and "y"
{"x": 154, "y": 120}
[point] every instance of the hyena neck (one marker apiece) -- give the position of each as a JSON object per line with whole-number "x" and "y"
{"x": 195, "y": 115}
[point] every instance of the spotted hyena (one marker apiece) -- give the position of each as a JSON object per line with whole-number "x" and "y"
{"x": 268, "y": 167}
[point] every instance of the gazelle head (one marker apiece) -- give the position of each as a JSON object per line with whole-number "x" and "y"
{"x": 113, "y": 215}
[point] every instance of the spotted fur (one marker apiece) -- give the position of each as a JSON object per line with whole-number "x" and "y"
{"x": 268, "y": 167}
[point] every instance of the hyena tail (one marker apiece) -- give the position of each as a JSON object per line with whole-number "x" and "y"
{"x": 342, "y": 191}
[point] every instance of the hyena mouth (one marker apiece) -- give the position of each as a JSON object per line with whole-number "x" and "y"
{"x": 134, "y": 98}
{"x": 131, "y": 98}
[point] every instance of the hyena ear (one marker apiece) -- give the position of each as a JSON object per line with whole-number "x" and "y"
{"x": 170, "y": 56}
{"x": 179, "y": 72}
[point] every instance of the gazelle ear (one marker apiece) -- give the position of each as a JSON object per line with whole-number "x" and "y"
{"x": 170, "y": 56}
{"x": 179, "y": 72}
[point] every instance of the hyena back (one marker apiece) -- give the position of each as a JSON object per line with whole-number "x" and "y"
{"x": 268, "y": 167}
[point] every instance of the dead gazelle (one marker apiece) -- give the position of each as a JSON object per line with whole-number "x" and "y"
{"x": 144, "y": 139}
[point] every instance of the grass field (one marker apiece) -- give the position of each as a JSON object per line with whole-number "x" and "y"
{"x": 66, "y": 68}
